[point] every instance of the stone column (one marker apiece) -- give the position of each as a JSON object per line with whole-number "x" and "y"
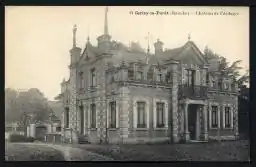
{"x": 123, "y": 114}
{"x": 205, "y": 130}
{"x": 174, "y": 102}
{"x": 187, "y": 134}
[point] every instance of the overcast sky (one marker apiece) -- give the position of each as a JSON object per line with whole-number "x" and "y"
{"x": 38, "y": 39}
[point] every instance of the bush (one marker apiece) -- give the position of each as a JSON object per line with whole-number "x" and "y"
{"x": 20, "y": 138}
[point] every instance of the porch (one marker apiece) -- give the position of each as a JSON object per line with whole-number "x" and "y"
{"x": 194, "y": 121}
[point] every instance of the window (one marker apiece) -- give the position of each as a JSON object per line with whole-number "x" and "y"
{"x": 81, "y": 108}
{"x": 220, "y": 84}
{"x": 67, "y": 118}
{"x": 160, "y": 115}
{"x": 81, "y": 84}
{"x": 214, "y": 85}
{"x": 168, "y": 77}
{"x": 159, "y": 77}
{"x": 214, "y": 116}
{"x": 139, "y": 75}
{"x": 93, "y": 116}
{"x": 190, "y": 77}
{"x": 93, "y": 77}
{"x": 141, "y": 115}
{"x": 207, "y": 78}
{"x": 58, "y": 129}
{"x": 226, "y": 86}
{"x": 227, "y": 117}
{"x": 130, "y": 74}
{"x": 112, "y": 114}
{"x": 150, "y": 75}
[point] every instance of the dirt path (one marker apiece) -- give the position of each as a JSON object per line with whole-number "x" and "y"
{"x": 75, "y": 154}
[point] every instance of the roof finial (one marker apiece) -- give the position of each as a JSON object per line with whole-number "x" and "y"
{"x": 189, "y": 36}
{"x": 106, "y": 22}
{"x": 74, "y": 35}
{"x": 88, "y": 35}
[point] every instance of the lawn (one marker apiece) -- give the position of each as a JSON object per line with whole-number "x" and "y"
{"x": 31, "y": 152}
{"x": 213, "y": 151}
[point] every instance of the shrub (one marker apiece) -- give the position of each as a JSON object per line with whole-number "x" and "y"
{"x": 20, "y": 138}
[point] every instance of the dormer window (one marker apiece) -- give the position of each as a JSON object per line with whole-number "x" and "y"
{"x": 93, "y": 77}
{"x": 81, "y": 79}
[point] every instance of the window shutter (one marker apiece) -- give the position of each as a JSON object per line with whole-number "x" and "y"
{"x": 117, "y": 114}
{"x": 154, "y": 114}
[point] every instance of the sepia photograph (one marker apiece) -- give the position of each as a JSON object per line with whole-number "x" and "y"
{"x": 127, "y": 83}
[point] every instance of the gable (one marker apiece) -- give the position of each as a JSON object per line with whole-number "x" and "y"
{"x": 191, "y": 55}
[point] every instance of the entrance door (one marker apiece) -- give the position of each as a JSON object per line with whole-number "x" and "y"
{"x": 192, "y": 118}
{"x": 82, "y": 119}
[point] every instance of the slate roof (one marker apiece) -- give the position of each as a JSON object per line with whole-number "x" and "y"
{"x": 123, "y": 53}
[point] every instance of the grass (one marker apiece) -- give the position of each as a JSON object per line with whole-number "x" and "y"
{"x": 30, "y": 152}
{"x": 212, "y": 151}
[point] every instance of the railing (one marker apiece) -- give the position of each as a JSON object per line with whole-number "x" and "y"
{"x": 193, "y": 92}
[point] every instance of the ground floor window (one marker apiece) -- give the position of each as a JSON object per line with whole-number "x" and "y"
{"x": 112, "y": 114}
{"x": 214, "y": 116}
{"x": 160, "y": 115}
{"x": 141, "y": 115}
{"x": 67, "y": 118}
{"x": 227, "y": 117}
{"x": 93, "y": 116}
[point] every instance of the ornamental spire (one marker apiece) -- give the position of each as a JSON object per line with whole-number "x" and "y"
{"x": 106, "y": 22}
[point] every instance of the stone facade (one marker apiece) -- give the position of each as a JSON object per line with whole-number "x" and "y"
{"x": 166, "y": 96}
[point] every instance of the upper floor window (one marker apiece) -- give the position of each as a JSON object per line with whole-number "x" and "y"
{"x": 93, "y": 116}
{"x": 130, "y": 74}
{"x": 214, "y": 116}
{"x": 141, "y": 115}
{"x": 66, "y": 117}
{"x": 150, "y": 74}
{"x": 207, "y": 78}
{"x": 139, "y": 75}
{"x": 190, "y": 77}
{"x": 168, "y": 77}
{"x": 160, "y": 114}
{"x": 227, "y": 117}
{"x": 112, "y": 114}
{"x": 93, "y": 77}
{"x": 220, "y": 84}
{"x": 226, "y": 86}
{"x": 159, "y": 77}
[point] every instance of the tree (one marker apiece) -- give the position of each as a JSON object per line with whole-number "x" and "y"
{"x": 227, "y": 70}
{"x": 11, "y": 110}
{"x": 26, "y": 105}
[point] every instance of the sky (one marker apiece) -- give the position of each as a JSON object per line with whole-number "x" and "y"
{"x": 38, "y": 39}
